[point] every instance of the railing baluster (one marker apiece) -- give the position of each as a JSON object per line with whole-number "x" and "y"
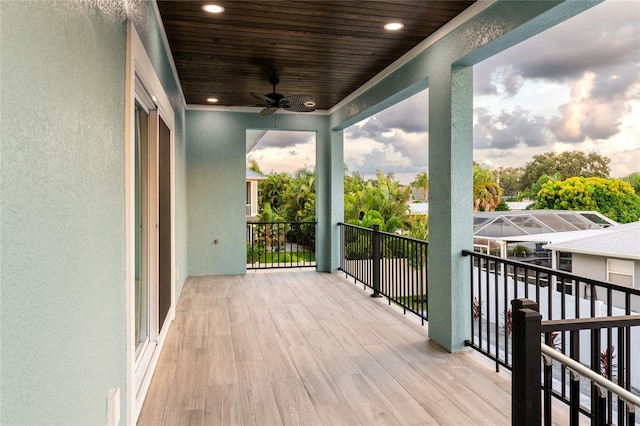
{"x": 397, "y": 269}
{"x": 548, "y": 383}
{"x": 271, "y": 245}
{"x": 569, "y": 297}
{"x": 595, "y": 366}
{"x": 574, "y": 398}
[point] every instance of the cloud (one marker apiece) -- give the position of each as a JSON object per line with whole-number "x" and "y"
{"x": 582, "y": 79}
{"x": 591, "y": 117}
{"x": 284, "y": 139}
{"x": 604, "y": 37}
{"x": 410, "y": 115}
{"x": 508, "y": 130}
{"x": 370, "y": 128}
{"x": 505, "y": 80}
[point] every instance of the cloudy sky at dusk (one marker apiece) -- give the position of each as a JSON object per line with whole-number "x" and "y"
{"x": 574, "y": 87}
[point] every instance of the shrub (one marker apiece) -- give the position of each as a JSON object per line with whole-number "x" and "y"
{"x": 254, "y": 252}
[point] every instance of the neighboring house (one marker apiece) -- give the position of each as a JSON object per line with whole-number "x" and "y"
{"x": 419, "y": 203}
{"x": 519, "y": 205}
{"x": 499, "y": 232}
{"x": 612, "y": 255}
{"x": 419, "y": 208}
{"x": 252, "y": 195}
{"x": 419, "y": 195}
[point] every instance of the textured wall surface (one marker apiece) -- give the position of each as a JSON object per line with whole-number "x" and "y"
{"x": 62, "y": 219}
{"x": 216, "y": 160}
{"x": 62, "y": 246}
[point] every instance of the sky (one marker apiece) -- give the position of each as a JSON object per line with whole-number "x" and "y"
{"x": 574, "y": 87}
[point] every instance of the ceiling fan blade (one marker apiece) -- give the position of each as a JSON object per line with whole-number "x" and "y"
{"x": 262, "y": 98}
{"x": 299, "y": 108}
{"x": 298, "y": 103}
{"x": 268, "y": 111}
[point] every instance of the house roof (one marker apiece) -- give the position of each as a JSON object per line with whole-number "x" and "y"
{"x": 251, "y": 175}
{"x": 622, "y": 241}
{"x": 519, "y": 224}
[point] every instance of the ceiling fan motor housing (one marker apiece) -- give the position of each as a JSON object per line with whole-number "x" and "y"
{"x": 275, "y": 97}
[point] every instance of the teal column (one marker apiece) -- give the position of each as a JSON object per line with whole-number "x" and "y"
{"x": 450, "y": 204}
{"x": 329, "y": 197}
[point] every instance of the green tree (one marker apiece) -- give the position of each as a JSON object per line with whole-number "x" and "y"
{"x": 634, "y": 180}
{"x": 299, "y": 197}
{"x": 510, "y": 180}
{"x": 271, "y": 189}
{"x": 487, "y": 194}
{"x": 422, "y": 182}
{"x": 253, "y": 166}
{"x": 419, "y": 227}
{"x": 613, "y": 198}
{"x": 384, "y": 195}
{"x": 567, "y": 164}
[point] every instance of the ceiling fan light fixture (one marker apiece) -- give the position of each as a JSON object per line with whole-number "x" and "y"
{"x": 309, "y": 104}
{"x": 393, "y": 26}
{"x": 212, "y": 8}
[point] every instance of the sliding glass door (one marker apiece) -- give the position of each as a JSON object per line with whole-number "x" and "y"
{"x": 146, "y": 219}
{"x": 141, "y": 230}
{"x": 150, "y": 228}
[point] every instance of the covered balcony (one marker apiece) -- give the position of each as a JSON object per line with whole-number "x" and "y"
{"x": 304, "y": 347}
{"x": 125, "y": 292}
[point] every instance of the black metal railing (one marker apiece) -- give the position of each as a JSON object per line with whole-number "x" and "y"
{"x": 496, "y": 281}
{"x": 281, "y": 245}
{"x": 391, "y": 265}
{"x": 605, "y": 379}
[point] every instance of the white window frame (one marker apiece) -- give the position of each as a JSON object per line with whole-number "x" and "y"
{"x": 614, "y": 270}
{"x": 140, "y": 72}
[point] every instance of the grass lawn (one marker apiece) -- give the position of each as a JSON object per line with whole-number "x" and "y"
{"x": 417, "y": 303}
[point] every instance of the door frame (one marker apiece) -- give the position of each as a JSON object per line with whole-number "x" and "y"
{"x": 140, "y": 71}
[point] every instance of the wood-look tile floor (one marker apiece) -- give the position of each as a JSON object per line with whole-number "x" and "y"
{"x": 309, "y": 348}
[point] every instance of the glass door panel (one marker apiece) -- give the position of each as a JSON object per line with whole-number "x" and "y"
{"x": 141, "y": 230}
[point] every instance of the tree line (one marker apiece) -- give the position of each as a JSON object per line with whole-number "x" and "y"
{"x": 569, "y": 180}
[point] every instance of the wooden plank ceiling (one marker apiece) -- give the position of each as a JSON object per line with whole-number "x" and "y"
{"x": 324, "y": 48}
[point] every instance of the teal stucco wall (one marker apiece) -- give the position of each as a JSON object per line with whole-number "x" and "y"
{"x": 216, "y": 159}
{"x": 62, "y": 218}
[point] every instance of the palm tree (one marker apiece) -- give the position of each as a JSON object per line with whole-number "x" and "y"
{"x": 487, "y": 194}
{"x": 422, "y": 181}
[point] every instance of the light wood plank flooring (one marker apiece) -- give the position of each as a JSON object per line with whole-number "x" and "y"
{"x": 309, "y": 348}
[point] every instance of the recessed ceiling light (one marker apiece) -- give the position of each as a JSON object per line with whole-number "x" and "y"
{"x": 212, "y": 100}
{"x": 213, "y": 8}
{"x": 393, "y": 26}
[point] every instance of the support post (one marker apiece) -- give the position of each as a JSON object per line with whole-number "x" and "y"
{"x": 525, "y": 384}
{"x": 376, "y": 261}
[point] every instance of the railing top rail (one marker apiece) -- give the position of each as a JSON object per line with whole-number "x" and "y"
{"x": 593, "y": 323}
{"x": 348, "y": 225}
{"x": 631, "y": 399}
{"x": 283, "y": 223}
{"x": 557, "y": 273}
{"x": 390, "y": 234}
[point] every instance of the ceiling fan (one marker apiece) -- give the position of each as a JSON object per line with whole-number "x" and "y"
{"x": 274, "y": 101}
